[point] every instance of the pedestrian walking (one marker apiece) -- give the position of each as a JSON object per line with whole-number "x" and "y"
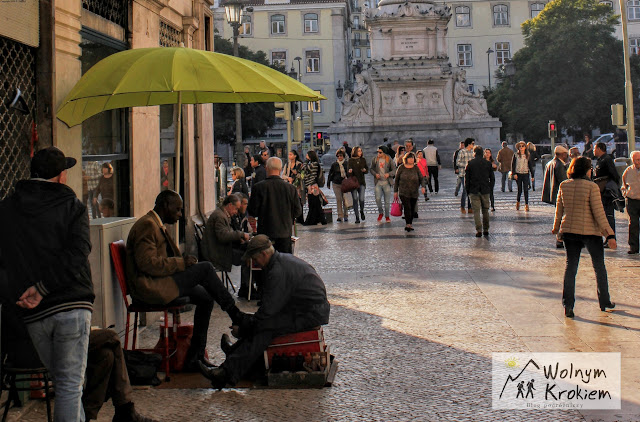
{"x": 555, "y": 172}
{"x": 479, "y": 180}
{"x": 44, "y": 250}
{"x": 464, "y": 156}
{"x": 399, "y": 156}
{"x": 337, "y": 173}
{"x": 408, "y": 180}
{"x": 494, "y": 166}
{"x": 631, "y": 191}
{"x": 581, "y": 221}
{"x": 239, "y": 183}
{"x": 533, "y": 160}
{"x": 520, "y": 170}
{"x": 433, "y": 165}
{"x": 409, "y": 146}
{"x": 292, "y": 173}
{"x": 311, "y": 174}
{"x": 358, "y": 167}
{"x": 422, "y": 166}
{"x": 460, "y": 177}
{"x": 607, "y": 178}
{"x": 383, "y": 170}
{"x": 504, "y": 158}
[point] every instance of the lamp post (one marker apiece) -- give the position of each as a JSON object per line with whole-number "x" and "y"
{"x": 233, "y": 10}
{"x": 628, "y": 90}
{"x": 299, "y": 59}
{"x": 339, "y": 90}
{"x": 489, "y": 51}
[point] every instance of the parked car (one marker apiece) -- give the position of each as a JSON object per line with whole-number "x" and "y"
{"x": 607, "y": 138}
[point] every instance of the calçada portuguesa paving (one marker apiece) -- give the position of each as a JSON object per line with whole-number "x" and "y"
{"x": 415, "y": 318}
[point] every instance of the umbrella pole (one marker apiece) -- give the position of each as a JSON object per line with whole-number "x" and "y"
{"x": 178, "y": 137}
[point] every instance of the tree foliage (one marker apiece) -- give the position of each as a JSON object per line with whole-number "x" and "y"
{"x": 257, "y": 118}
{"x": 571, "y": 70}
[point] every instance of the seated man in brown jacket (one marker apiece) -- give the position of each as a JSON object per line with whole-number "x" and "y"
{"x": 221, "y": 243}
{"x": 158, "y": 273}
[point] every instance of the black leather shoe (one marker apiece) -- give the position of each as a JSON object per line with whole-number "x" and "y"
{"x": 632, "y": 251}
{"x": 206, "y": 362}
{"x": 610, "y": 305}
{"x": 478, "y": 234}
{"x": 485, "y": 234}
{"x": 128, "y": 413}
{"x": 192, "y": 365}
{"x": 217, "y": 376}
{"x": 225, "y": 344}
{"x": 568, "y": 312}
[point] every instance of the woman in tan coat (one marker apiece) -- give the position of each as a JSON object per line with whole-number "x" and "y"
{"x": 581, "y": 222}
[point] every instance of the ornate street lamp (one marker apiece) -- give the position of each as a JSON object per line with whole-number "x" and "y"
{"x": 489, "y": 51}
{"x": 233, "y": 10}
{"x": 292, "y": 73}
{"x": 339, "y": 90}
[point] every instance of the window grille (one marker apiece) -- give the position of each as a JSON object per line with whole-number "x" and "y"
{"x": 169, "y": 36}
{"x": 17, "y": 70}
{"x": 112, "y": 10}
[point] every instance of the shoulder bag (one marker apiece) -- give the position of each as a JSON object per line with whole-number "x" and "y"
{"x": 349, "y": 184}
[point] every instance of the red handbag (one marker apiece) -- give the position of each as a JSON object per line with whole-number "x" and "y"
{"x": 396, "y": 208}
{"x": 349, "y": 184}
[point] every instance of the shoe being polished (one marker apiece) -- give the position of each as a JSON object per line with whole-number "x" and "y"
{"x": 217, "y": 376}
{"x": 568, "y": 312}
{"x": 226, "y": 344}
{"x": 127, "y": 413}
{"x": 193, "y": 364}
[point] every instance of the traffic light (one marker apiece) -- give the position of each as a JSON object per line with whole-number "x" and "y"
{"x": 617, "y": 114}
{"x": 553, "y": 129}
{"x": 319, "y": 136}
{"x": 285, "y": 113}
{"x": 308, "y": 120}
{"x": 298, "y": 131}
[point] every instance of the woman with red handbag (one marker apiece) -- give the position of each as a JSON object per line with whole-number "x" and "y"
{"x": 408, "y": 179}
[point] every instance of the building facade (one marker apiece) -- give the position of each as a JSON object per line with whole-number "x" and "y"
{"x": 307, "y": 37}
{"x": 133, "y": 147}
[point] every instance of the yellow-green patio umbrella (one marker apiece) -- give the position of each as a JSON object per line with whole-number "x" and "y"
{"x": 176, "y": 75}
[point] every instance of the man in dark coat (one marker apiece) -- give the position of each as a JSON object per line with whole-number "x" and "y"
{"x": 259, "y": 173}
{"x": 605, "y": 174}
{"x": 44, "y": 250}
{"x": 555, "y": 172}
{"x": 479, "y": 180}
{"x": 158, "y": 273}
{"x": 294, "y": 299}
{"x": 275, "y": 203}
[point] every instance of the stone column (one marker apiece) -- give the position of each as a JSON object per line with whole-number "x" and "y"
{"x": 441, "y": 31}
{"x": 432, "y": 49}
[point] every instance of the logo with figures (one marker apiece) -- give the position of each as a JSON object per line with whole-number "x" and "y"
{"x": 556, "y": 381}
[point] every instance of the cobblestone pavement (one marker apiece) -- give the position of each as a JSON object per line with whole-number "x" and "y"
{"x": 415, "y": 318}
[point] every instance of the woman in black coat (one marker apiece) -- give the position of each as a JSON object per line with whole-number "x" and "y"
{"x": 239, "y": 183}
{"x": 311, "y": 170}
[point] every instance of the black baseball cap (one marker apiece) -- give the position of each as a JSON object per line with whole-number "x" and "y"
{"x": 50, "y": 162}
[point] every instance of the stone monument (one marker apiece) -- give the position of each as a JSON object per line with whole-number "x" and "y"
{"x": 410, "y": 89}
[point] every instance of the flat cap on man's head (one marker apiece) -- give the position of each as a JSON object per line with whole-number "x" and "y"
{"x": 560, "y": 150}
{"x": 50, "y": 162}
{"x": 256, "y": 245}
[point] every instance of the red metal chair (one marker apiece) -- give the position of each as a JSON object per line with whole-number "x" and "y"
{"x": 118, "y": 257}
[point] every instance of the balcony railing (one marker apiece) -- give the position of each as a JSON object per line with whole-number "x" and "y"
{"x": 361, "y": 43}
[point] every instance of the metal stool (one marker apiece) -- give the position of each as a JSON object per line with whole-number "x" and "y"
{"x": 16, "y": 375}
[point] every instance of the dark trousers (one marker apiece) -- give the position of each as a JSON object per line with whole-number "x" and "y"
{"x": 491, "y": 197}
{"x": 633, "y": 209}
{"x": 433, "y": 172}
{"x": 316, "y": 213}
{"x": 504, "y": 179}
{"x": 282, "y": 244}
{"x": 573, "y": 244}
{"x": 523, "y": 186}
{"x": 609, "y": 211}
{"x": 106, "y": 374}
{"x": 410, "y": 206}
{"x": 248, "y": 350}
{"x": 203, "y": 286}
{"x": 532, "y": 183}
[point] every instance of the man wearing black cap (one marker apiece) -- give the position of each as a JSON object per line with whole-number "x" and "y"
{"x": 294, "y": 299}
{"x": 44, "y": 249}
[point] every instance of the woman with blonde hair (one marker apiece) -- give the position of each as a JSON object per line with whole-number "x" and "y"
{"x": 358, "y": 167}
{"x": 408, "y": 179}
{"x": 520, "y": 170}
{"x": 533, "y": 160}
{"x": 581, "y": 222}
{"x": 239, "y": 183}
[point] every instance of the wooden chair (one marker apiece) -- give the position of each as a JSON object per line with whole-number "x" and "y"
{"x": 118, "y": 257}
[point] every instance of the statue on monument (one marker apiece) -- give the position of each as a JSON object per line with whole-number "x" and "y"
{"x": 359, "y": 101}
{"x": 467, "y": 104}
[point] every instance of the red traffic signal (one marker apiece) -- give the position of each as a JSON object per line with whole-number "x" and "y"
{"x": 552, "y": 126}
{"x": 319, "y": 136}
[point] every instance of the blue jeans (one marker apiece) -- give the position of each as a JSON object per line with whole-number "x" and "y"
{"x": 464, "y": 198}
{"x": 383, "y": 189}
{"x": 62, "y": 342}
{"x": 504, "y": 179}
{"x": 573, "y": 244}
{"x": 358, "y": 197}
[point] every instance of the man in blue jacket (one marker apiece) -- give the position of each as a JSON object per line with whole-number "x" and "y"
{"x": 44, "y": 249}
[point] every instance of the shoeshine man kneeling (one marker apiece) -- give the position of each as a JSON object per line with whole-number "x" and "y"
{"x": 294, "y": 299}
